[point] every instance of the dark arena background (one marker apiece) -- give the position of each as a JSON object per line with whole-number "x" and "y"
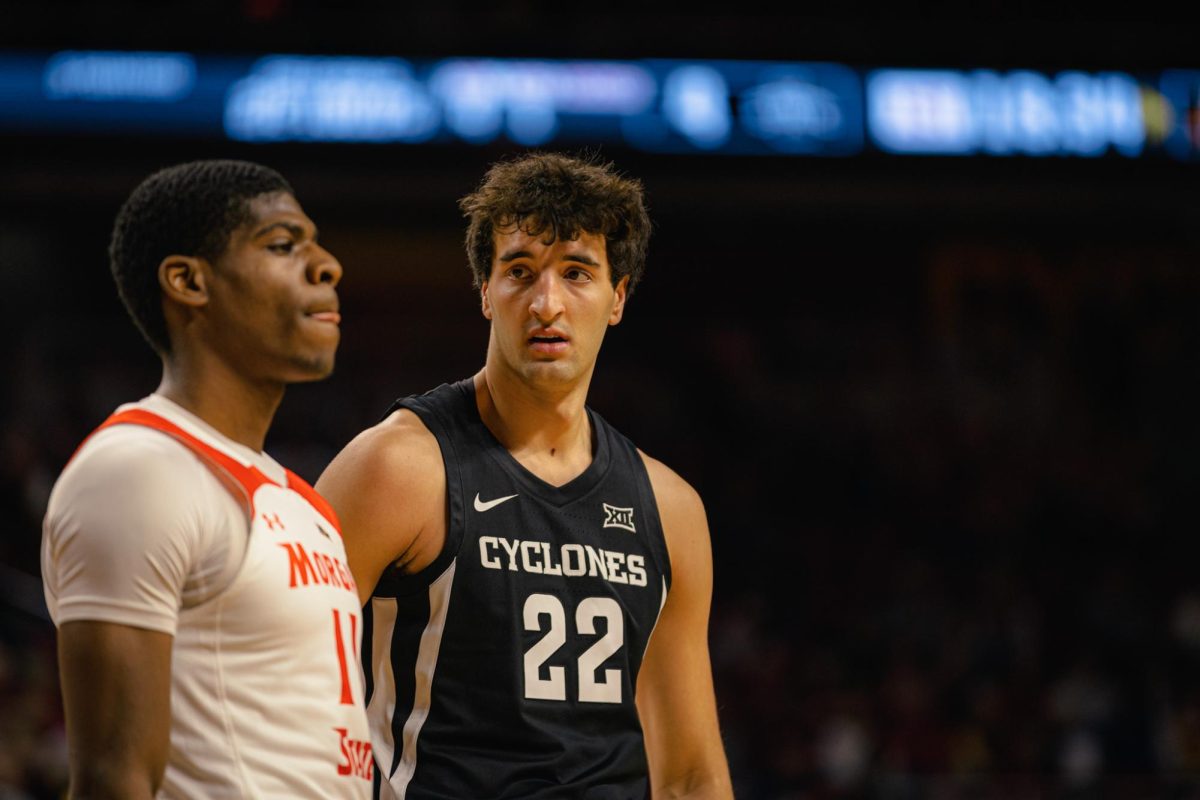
{"x": 919, "y": 323}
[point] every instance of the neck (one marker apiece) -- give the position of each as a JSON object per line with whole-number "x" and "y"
{"x": 532, "y": 420}
{"x": 238, "y": 408}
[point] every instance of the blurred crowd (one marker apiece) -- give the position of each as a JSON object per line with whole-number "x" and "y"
{"x": 949, "y": 512}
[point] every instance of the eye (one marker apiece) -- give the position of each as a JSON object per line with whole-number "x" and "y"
{"x": 282, "y": 248}
{"x": 578, "y": 274}
{"x": 518, "y": 272}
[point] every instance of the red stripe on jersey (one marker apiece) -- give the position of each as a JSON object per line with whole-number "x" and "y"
{"x": 248, "y": 479}
{"x": 301, "y": 487}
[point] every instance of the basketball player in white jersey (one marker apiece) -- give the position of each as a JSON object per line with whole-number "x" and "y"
{"x": 208, "y": 625}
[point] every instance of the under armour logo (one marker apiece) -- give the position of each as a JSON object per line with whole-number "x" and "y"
{"x": 615, "y": 517}
{"x": 273, "y": 521}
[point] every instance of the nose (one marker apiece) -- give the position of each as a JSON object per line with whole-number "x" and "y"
{"x": 324, "y": 267}
{"x": 546, "y": 303}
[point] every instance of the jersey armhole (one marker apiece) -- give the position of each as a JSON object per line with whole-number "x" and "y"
{"x": 394, "y": 583}
{"x": 658, "y": 547}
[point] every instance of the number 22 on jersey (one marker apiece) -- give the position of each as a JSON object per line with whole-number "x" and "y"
{"x": 591, "y": 690}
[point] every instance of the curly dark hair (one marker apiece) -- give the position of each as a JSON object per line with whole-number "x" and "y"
{"x": 563, "y": 195}
{"x": 188, "y": 209}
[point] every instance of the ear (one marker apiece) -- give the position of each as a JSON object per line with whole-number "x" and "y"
{"x": 618, "y": 310}
{"x": 184, "y": 280}
{"x": 484, "y": 303}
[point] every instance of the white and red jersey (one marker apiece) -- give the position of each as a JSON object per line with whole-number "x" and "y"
{"x": 160, "y": 522}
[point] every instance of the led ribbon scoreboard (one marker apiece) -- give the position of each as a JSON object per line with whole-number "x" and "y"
{"x": 657, "y": 105}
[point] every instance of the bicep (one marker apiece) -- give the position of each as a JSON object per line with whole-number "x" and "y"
{"x": 675, "y": 688}
{"x": 386, "y": 487}
{"x": 675, "y": 696}
{"x": 343, "y": 484}
{"x": 116, "y": 683}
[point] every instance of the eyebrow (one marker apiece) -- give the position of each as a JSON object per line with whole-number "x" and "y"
{"x": 291, "y": 227}
{"x": 513, "y": 255}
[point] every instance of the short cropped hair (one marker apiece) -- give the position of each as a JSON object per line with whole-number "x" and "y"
{"x": 188, "y": 209}
{"x": 564, "y": 196}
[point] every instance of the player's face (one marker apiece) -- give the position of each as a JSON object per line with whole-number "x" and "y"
{"x": 550, "y": 304}
{"x": 273, "y": 307}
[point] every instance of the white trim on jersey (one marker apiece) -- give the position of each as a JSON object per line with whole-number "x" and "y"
{"x": 427, "y": 654}
{"x": 661, "y": 603}
{"x": 383, "y": 698}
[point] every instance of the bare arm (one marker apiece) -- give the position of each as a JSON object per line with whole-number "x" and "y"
{"x": 675, "y": 695}
{"x": 116, "y": 682}
{"x": 388, "y": 487}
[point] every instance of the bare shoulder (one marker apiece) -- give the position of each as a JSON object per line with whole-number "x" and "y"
{"x": 399, "y": 449}
{"x": 684, "y": 522}
{"x": 675, "y": 497}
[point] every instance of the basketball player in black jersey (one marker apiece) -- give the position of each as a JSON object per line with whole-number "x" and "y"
{"x": 537, "y": 589}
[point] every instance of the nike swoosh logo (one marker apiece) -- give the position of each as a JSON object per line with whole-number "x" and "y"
{"x": 490, "y": 504}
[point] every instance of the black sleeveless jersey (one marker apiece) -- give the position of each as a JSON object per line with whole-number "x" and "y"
{"x": 507, "y": 669}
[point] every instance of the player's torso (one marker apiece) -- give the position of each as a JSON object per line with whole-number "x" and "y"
{"x": 266, "y": 694}
{"x": 278, "y": 646}
{"x": 545, "y": 598}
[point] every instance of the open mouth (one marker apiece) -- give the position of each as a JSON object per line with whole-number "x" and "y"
{"x": 549, "y": 344}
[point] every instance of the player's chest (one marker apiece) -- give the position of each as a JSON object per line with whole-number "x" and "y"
{"x": 511, "y": 536}
{"x": 294, "y": 571}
